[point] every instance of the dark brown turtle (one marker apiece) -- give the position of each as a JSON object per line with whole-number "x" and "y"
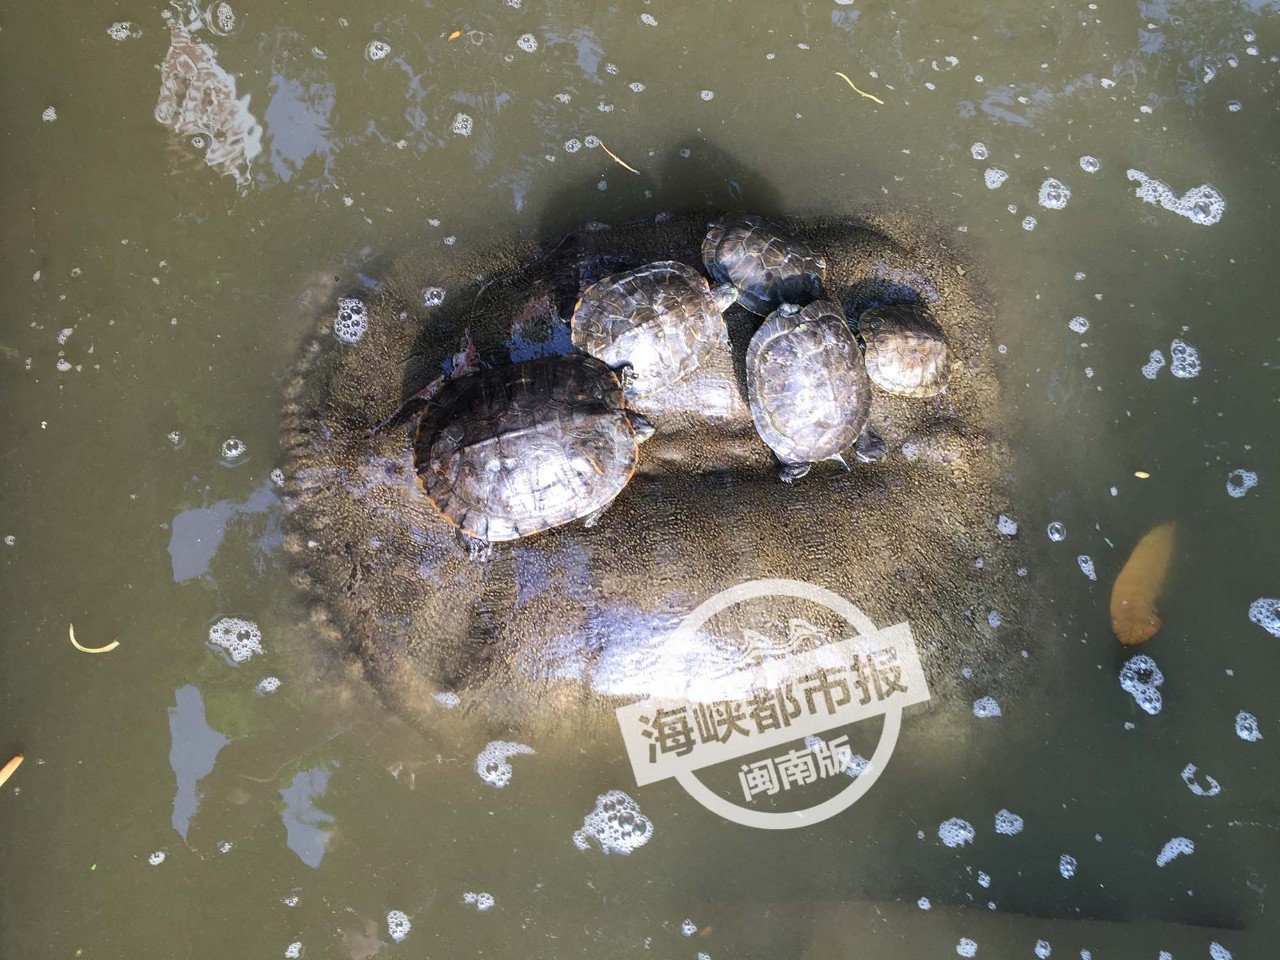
{"x": 508, "y": 452}
{"x": 808, "y": 389}
{"x": 660, "y": 319}
{"x": 766, "y": 265}
{"x": 906, "y": 351}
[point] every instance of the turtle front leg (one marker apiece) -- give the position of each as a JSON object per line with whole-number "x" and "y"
{"x": 869, "y": 447}
{"x": 481, "y": 551}
{"x": 791, "y": 472}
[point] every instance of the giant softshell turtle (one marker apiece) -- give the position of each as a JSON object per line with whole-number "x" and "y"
{"x": 580, "y": 618}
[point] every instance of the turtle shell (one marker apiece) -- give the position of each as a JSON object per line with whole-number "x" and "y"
{"x": 906, "y": 351}
{"x": 806, "y": 384}
{"x": 660, "y": 318}
{"x": 766, "y": 265}
{"x": 511, "y": 451}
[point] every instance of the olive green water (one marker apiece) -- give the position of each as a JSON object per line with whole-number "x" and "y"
{"x": 186, "y": 296}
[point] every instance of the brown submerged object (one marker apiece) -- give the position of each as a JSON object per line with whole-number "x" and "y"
{"x": 1139, "y": 586}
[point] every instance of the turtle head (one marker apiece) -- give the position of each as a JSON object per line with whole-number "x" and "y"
{"x": 725, "y": 296}
{"x": 641, "y": 425}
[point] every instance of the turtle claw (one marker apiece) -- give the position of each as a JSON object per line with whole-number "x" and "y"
{"x": 479, "y": 551}
{"x": 644, "y": 429}
{"x": 791, "y": 472}
{"x": 870, "y": 447}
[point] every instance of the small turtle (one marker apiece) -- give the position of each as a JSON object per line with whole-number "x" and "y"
{"x": 808, "y": 389}
{"x": 508, "y": 452}
{"x": 661, "y": 319}
{"x": 906, "y": 350}
{"x": 764, "y": 264}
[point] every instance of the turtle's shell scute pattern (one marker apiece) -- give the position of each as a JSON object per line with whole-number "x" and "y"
{"x": 806, "y": 383}
{"x": 765, "y": 264}
{"x": 511, "y": 451}
{"x": 659, "y": 318}
{"x": 906, "y": 351}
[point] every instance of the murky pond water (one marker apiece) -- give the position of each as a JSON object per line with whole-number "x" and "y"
{"x": 188, "y": 190}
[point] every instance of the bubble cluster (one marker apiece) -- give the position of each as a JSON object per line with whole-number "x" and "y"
{"x": 293, "y": 950}
{"x": 482, "y": 901}
{"x": 1056, "y": 531}
{"x": 1218, "y": 952}
{"x": 448, "y": 699}
{"x": 377, "y": 49}
{"x": 1067, "y": 866}
{"x": 1054, "y": 194}
{"x": 277, "y": 477}
{"x": 572, "y": 145}
{"x": 967, "y": 947}
{"x": 433, "y": 296}
{"x": 1265, "y": 612}
{"x": 1234, "y": 106}
{"x": 1086, "y": 566}
{"x": 993, "y": 619}
{"x": 241, "y": 639}
{"x": 924, "y": 904}
{"x": 1203, "y": 204}
{"x": 156, "y": 858}
{"x": 1247, "y": 727}
{"x": 993, "y": 177}
{"x": 1184, "y": 360}
{"x": 527, "y": 42}
{"x": 955, "y": 832}
{"x": 233, "y": 448}
{"x": 688, "y": 928}
{"x": 1140, "y": 678}
{"x": 492, "y": 765}
{"x": 48, "y": 115}
{"x": 398, "y": 925}
{"x": 123, "y": 30}
{"x": 616, "y": 824}
{"x": 1006, "y": 525}
{"x": 1154, "y": 364}
{"x": 1008, "y": 824}
{"x": 1029, "y": 223}
{"x": 978, "y": 151}
{"x": 986, "y": 707}
{"x": 1078, "y": 324}
{"x": 352, "y": 320}
{"x": 267, "y": 685}
{"x": 1240, "y": 482}
{"x": 220, "y": 18}
{"x": 462, "y": 125}
{"x": 1177, "y": 847}
{"x": 1189, "y": 778}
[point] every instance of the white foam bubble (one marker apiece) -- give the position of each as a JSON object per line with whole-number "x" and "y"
{"x": 1086, "y": 566}
{"x": 924, "y": 904}
{"x": 1090, "y": 164}
{"x": 637, "y": 86}
{"x": 225, "y": 846}
{"x": 1234, "y": 106}
{"x": 955, "y": 832}
{"x": 1008, "y": 823}
{"x": 707, "y": 94}
{"x": 1154, "y": 364}
{"x": 616, "y": 823}
{"x": 1203, "y": 204}
{"x": 267, "y": 685}
{"x": 1067, "y": 866}
{"x": 967, "y": 947}
{"x": 156, "y": 858}
{"x": 241, "y": 639}
{"x": 1043, "y": 949}
{"x": 352, "y": 320}
{"x": 1189, "y": 778}
{"x": 492, "y": 762}
{"x": 1056, "y": 531}
{"x": 688, "y": 928}
{"x": 433, "y": 296}
{"x": 1006, "y": 525}
{"x": 462, "y": 125}
{"x": 377, "y": 49}
{"x": 1029, "y": 223}
{"x": 1054, "y": 194}
{"x": 572, "y": 145}
{"x": 993, "y": 619}
{"x": 1140, "y": 678}
{"x": 277, "y": 477}
{"x": 984, "y": 879}
{"x": 1078, "y": 325}
{"x": 398, "y": 925}
{"x": 1184, "y": 360}
{"x": 993, "y": 177}
{"x": 48, "y": 115}
{"x": 1218, "y": 952}
{"x": 986, "y": 707}
{"x": 123, "y": 30}
{"x": 1240, "y": 482}
{"x": 293, "y": 951}
{"x": 1177, "y": 847}
{"x": 527, "y": 42}
{"x": 648, "y": 20}
{"x": 448, "y": 699}
{"x": 1265, "y": 612}
{"x": 978, "y": 151}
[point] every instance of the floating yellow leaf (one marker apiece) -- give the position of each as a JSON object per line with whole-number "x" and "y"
{"x": 455, "y": 35}
{"x": 1142, "y": 475}
{"x": 9, "y": 768}
{"x": 1140, "y": 584}
{"x": 71, "y": 632}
